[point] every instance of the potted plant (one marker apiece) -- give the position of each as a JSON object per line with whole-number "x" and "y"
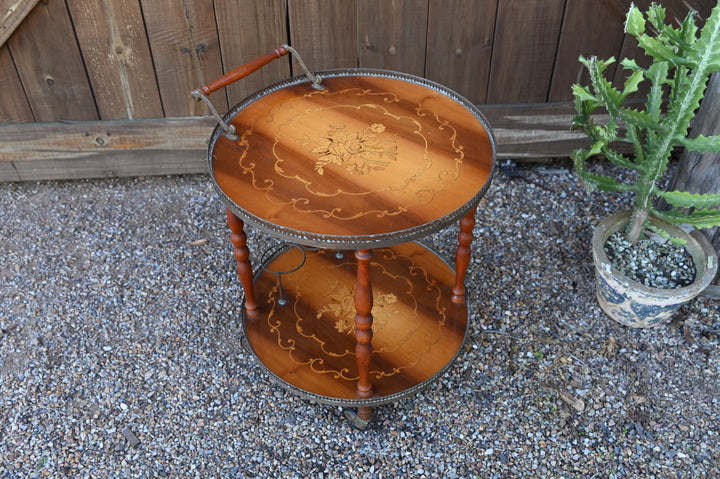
{"x": 682, "y": 60}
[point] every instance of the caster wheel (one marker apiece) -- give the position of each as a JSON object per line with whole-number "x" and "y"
{"x": 355, "y": 420}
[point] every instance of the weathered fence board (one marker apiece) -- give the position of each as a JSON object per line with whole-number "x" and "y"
{"x": 324, "y": 32}
{"x": 172, "y": 146}
{"x": 12, "y": 13}
{"x": 51, "y": 68}
{"x": 249, "y": 29}
{"x": 393, "y": 34}
{"x": 580, "y": 37}
{"x": 523, "y": 57}
{"x": 103, "y": 148}
{"x": 539, "y": 130}
{"x": 185, "y": 52}
{"x": 460, "y": 39}
{"x": 117, "y": 57}
{"x": 14, "y": 107}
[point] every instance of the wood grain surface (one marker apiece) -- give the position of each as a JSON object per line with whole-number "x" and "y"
{"x": 185, "y": 53}
{"x": 14, "y": 108}
{"x": 459, "y": 45}
{"x": 324, "y": 32}
{"x": 309, "y": 342}
{"x": 390, "y": 34}
{"x": 579, "y": 37}
{"x": 12, "y": 13}
{"x": 104, "y": 149}
{"x": 248, "y": 29}
{"x": 112, "y": 37}
{"x": 364, "y": 159}
{"x": 50, "y": 66}
{"x": 528, "y": 47}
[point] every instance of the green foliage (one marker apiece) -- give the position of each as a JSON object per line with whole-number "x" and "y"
{"x": 704, "y": 218}
{"x": 665, "y": 235}
{"x": 683, "y": 58}
{"x": 683, "y": 199}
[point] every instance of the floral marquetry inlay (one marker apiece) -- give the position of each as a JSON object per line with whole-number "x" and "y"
{"x": 342, "y": 307}
{"x": 355, "y": 151}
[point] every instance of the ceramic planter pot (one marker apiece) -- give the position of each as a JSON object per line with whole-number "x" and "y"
{"x": 634, "y": 304}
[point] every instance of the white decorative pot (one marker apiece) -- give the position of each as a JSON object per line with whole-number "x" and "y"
{"x": 634, "y": 304}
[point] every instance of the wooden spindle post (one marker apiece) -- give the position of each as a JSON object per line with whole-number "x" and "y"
{"x": 244, "y": 268}
{"x": 462, "y": 256}
{"x": 363, "y": 329}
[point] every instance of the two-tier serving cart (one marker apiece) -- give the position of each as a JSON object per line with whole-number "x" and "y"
{"x": 348, "y": 168}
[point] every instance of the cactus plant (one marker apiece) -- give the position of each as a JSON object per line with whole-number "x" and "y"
{"x": 683, "y": 58}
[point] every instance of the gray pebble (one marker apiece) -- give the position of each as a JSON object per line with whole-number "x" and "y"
{"x": 108, "y": 298}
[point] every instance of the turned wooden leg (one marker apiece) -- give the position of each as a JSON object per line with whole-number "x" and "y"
{"x": 462, "y": 256}
{"x": 363, "y": 329}
{"x": 244, "y": 269}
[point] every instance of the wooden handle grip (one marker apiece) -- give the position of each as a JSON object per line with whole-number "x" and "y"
{"x": 243, "y": 70}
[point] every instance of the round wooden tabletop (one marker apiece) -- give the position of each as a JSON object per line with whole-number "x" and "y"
{"x": 305, "y": 336}
{"x": 374, "y": 158}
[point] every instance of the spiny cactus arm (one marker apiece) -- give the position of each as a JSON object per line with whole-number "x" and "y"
{"x": 673, "y": 37}
{"x": 682, "y": 108}
{"x": 641, "y": 119}
{"x": 692, "y": 61}
{"x": 634, "y": 136}
{"x": 647, "y": 120}
{"x": 585, "y": 105}
{"x": 657, "y": 73}
{"x": 688, "y": 30}
{"x": 586, "y": 102}
{"x": 661, "y": 47}
{"x": 632, "y": 83}
{"x": 703, "y": 144}
{"x": 705, "y": 218}
{"x": 684, "y": 199}
{"x": 706, "y": 50}
{"x": 603, "y": 91}
{"x": 676, "y": 39}
{"x": 603, "y": 94}
{"x": 621, "y": 160}
{"x": 602, "y": 137}
{"x": 593, "y": 180}
{"x": 705, "y": 57}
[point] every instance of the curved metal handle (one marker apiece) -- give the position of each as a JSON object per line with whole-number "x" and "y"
{"x": 241, "y": 72}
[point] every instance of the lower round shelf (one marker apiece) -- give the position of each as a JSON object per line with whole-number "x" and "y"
{"x": 305, "y": 334}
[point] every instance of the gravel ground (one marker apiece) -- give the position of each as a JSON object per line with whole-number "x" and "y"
{"x": 120, "y": 351}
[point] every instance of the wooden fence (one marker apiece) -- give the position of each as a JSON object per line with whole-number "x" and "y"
{"x": 102, "y": 87}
